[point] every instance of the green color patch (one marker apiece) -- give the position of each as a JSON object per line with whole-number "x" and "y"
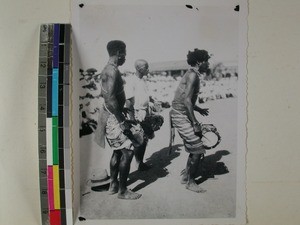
{"x": 55, "y": 140}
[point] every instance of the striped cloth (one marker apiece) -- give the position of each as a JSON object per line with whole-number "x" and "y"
{"x": 114, "y": 135}
{"x": 191, "y": 141}
{"x": 118, "y": 140}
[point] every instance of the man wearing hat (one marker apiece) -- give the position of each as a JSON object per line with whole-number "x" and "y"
{"x": 112, "y": 124}
{"x": 183, "y": 118}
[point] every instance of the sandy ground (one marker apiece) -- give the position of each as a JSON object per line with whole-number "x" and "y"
{"x": 162, "y": 194}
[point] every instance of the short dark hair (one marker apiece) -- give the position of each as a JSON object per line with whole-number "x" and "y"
{"x": 197, "y": 56}
{"x": 114, "y": 46}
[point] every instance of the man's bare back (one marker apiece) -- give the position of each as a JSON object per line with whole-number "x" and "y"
{"x": 180, "y": 93}
{"x": 112, "y": 88}
{"x": 114, "y": 99}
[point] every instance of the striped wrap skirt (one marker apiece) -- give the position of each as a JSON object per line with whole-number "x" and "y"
{"x": 114, "y": 135}
{"x": 184, "y": 127}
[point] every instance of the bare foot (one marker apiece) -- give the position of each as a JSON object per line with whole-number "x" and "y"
{"x": 194, "y": 187}
{"x": 113, "y": 188}
{"x": 129, "y": 195}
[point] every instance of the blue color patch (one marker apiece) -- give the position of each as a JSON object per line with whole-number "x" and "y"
{"x": 55, "y": 92}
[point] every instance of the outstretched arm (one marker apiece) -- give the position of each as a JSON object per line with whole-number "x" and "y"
{"x": 202, "y": 111}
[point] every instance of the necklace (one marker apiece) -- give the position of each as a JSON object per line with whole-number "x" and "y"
{"x": 196, "y": 71}
{"x": 111, "y": 63}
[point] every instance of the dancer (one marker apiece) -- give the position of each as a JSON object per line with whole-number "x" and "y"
{"x": 183, "y": 118}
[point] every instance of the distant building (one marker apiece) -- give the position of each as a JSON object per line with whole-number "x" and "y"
{"x": 178, "y": 68}
{"x": 171, "y": 68}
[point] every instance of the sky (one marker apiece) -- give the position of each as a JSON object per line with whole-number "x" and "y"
{"x": 156, "y": 33}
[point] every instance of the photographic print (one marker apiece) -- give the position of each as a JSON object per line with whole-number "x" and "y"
{"x": 162, "y": 107}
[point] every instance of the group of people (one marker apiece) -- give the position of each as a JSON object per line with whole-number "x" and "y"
{"x": 126, "y": 109}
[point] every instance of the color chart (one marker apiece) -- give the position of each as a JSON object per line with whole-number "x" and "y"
{"x": 53, "y": 124}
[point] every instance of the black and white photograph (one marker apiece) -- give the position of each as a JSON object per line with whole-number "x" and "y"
{"x": 162, "y": 109}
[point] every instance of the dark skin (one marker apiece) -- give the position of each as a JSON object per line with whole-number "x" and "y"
{"x": 190, "y": 83}
{"x": 112, "y": 83}
{"x": 114, "y": 98}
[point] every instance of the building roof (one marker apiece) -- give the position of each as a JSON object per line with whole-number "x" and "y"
{"x": 170, "y": 65}
{"x": 181, "y": 65}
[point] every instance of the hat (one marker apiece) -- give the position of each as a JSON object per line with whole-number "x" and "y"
{"x": 101, "y": 178}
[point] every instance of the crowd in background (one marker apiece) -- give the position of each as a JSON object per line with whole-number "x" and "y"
{"x": 161, "y": 89}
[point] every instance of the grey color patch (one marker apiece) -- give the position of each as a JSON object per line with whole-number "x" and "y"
{"x": 43, "y": 168}
{"x": 44, "y": 33}
{"x": 66, "y": 117}
{"x": 66, "y": 74}
{"x": 43, "y": 50}
{"x": 67, "y": 159}
{"x": 42, "y": 88}
{"x": 66, "y": 96}
{"x": 68, "y": 181}
{"x": 42, "y": 119}
{"x": 67, "y": 43}
{"x": 43, "y": 65}
{"x": 42, "y": 135}
{"x": 45, "y": 215}
{"x": 42, "y": 152}
{"x": 42, "y": 105}
{"x": 66, "y": 138}
{"x": 43, "y": 184}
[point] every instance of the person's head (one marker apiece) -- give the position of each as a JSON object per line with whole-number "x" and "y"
{"x": 199, "y": 58}
{"x": 142, "y": 67}
{"x": 117, "y": 48}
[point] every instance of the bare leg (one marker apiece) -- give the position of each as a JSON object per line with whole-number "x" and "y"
{"x": 139, "y": 153}
{"x": 114, "y": 171}
{"x": 191, "y": 170}
{"x": 184, "y": 178}
{"x": 124, "y": 169}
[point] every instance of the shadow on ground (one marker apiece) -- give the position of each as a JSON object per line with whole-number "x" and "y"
{"x": 158, "y": 162}
{"x": 212, "y": 166}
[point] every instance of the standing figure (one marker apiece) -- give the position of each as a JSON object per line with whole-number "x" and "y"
{"x": 137, "y": 104}
{"x": 183, "y": 118}
{"x": 112, "y": 124}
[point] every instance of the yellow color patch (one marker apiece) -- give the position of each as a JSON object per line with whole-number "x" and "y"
{"x": 56, "y": 187}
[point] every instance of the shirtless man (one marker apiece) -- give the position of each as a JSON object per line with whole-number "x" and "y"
{"x": 183, "y": 117}
{"x": 112, "y": 122}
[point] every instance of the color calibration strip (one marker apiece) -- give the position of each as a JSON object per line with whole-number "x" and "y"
{"x": 53, "y": 103}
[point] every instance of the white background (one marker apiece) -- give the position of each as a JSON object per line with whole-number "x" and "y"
{"x": 157, "y": 33}
{"x": 273, "y": 195}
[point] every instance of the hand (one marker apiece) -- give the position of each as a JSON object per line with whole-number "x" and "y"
{"x": 126, "y": 111}
{"x": 129, "y": 114}
{"x": 203, "y": 112}
{"x": 197, "y": 128}
{"x": 125, "y": 126}
{"x": 140, "y": 115}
